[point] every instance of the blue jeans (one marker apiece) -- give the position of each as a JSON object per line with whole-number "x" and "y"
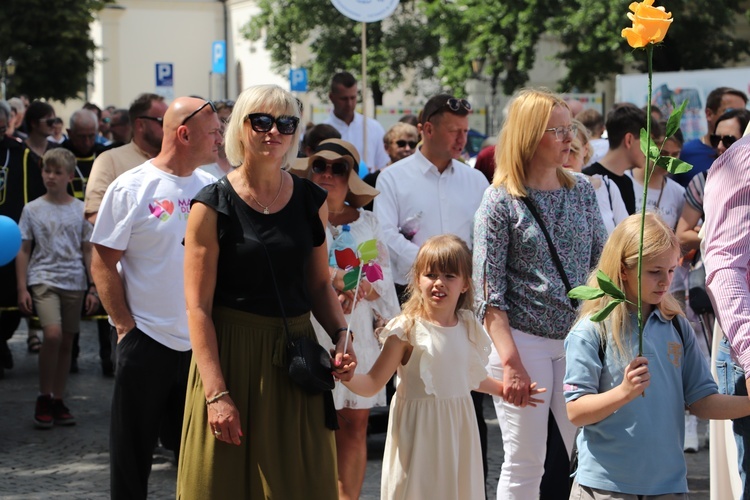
{"x": 732, "y": 381}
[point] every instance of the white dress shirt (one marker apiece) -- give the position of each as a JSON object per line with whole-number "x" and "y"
{"x": 447, "y": 203}
{"x": 377, "y": 157}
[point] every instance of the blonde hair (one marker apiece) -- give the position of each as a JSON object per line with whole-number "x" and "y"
{"x": 60, "y": 157}
{"x": 528, "y": 115}
{"x": 620, "y": 253}
{"x": 398, "y": 130}
{"x": 583, "y": 136}
{"x": 270, "y": 99}
{"x": 445, "y": 253}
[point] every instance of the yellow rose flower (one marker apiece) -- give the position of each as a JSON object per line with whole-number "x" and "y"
{"x": 650, "y": 24}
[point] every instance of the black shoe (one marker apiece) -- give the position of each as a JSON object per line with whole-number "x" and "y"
{"x": 6, "y": 358}
{"x": 73, "y": 366}
{"x": 108, "y": 369}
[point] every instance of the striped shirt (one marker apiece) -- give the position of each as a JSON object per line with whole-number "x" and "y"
{"x": 726, "y": 203}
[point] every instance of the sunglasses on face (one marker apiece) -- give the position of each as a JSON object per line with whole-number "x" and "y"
{"x": 49, "y": 121}
{"x": 453, "y": 104}
{"x": 207, "y": 103}
{"x": 263, "y": 122}
{"x": 402, "y": 143}
{"x": 158, "y": 120}
{"x": 320, "y": 166}
{"x": 727, "y": 140}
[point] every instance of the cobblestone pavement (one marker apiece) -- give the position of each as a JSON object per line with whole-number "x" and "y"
{"x": 72, "y": 462}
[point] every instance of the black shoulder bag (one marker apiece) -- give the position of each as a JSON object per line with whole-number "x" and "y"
{"x": 552, "y": 250}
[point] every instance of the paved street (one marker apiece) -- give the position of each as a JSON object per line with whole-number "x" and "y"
{"x": 72, "y": 463}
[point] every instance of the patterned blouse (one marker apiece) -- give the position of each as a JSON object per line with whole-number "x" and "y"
{"x": 513, "y": 261}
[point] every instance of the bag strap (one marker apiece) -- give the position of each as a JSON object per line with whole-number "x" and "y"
{"x": 552, "y": 250}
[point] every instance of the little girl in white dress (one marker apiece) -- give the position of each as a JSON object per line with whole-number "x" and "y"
{"x": 439, "y": 351}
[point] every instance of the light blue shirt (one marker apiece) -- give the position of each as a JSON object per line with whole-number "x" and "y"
{"x": 638, "y": 449}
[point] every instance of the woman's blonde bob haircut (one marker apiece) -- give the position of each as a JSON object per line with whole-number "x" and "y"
{"x": 528, "y": 115}
{"x": 620, "y": 254}
{"x": 270, "y": 99}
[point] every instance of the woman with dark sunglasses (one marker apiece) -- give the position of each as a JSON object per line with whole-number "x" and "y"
{"x": 331, "y": 166}
{"x": 256, "y": 266}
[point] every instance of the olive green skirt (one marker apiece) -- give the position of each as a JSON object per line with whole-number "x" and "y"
{"x": 287, "y": 452}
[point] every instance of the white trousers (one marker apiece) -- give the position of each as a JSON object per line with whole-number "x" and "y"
{"x": 524, "y": 430}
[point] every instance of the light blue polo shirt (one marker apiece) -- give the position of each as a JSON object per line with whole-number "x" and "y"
{"x": 638, "y": 449}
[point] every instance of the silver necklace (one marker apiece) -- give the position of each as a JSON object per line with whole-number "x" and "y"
{"x": 266, "y": 207}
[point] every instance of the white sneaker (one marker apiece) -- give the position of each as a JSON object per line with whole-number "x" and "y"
{"x": 691, "y": 444}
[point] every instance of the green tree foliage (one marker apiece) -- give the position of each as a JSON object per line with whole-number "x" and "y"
{"x": 501, "y": 35}
{"x": 701, "y": 37}
{"x": 440, "y": 39}
{"x": 401, "y": 43}
{"x": 51, "y": 44}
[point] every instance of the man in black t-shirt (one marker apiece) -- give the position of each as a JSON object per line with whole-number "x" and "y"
{"x": 624, "y": 124}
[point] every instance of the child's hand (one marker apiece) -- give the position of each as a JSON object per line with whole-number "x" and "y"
{"x": 25, "y": 304}
{"x": 636, "y": 378}
{"x": 532, "y": 391}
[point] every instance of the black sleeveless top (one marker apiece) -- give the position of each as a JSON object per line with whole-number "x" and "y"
{"x": 243, "y": 279}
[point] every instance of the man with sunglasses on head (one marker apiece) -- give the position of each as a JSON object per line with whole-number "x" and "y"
{"x": 435, "y": 189}
{"x": 701, "y": 153}
{"x": 137, "y": 265}
{"x": 351, "y": 125}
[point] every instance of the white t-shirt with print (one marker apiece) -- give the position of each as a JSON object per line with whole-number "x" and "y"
{"x": 144, "y": 213}
{"x": 58, "y": 231}
{"x": 669, "y": 206}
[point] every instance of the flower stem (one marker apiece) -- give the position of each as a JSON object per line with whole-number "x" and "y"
{"x": 649, "y": 170}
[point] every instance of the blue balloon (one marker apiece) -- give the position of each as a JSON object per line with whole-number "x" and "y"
{"x": 10, "y": 239}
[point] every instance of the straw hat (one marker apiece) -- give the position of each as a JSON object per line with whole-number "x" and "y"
{"x": 360, "y": 193}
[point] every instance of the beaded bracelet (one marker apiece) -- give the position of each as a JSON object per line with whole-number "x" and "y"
{"x": 216, "y": 398}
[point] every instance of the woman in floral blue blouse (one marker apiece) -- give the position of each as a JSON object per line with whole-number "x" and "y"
{"x": 522, "y": 293}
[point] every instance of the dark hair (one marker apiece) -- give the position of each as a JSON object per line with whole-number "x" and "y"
{"x": 121, "y": 115}
{"x": 224, "y": 103}
{"x": 436, "y": 106}
{"x": 591, "y": 119}
{"x": 93, "y": 107}
{"x": 142, "y": 104}
{"x": 742, "y": 115}
{"x": 659, "y": 129}
{"x": 344, "y": 78}
{"x": 622, "y": 119}
{"x": 35, "y": 112}
{"x": 410, "y": 119}
{"x": 318, "y": 134}
{"x": 713, "y": 101}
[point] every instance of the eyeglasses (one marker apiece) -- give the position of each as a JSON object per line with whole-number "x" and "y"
{"x": 106, "y": 120}
{"x": 320, "y": 166}
{"x": 158, "y": 120}
{"x": 263, "y": 122}
{"x": 561, "y": 133}
{"x": 50, "y": 121}
{"x": 453, "y": 104}
{"x": 727, "y": 140}
{"x": 402, "y": 143}
{"x": 207, "y": 103}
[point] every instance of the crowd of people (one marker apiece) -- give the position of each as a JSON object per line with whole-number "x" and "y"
{"x": 452, "y": 277}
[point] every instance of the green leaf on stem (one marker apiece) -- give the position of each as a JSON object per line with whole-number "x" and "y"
{"x": 351, "y": 278}
{"x": 606, "y": 310}
{"x": 609, "y": 287}
{"x": 674, "y": 165}
{"x": 584, "y": 292}
{"x": 652, "y": 153}
{"x": 673, "y": 124}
